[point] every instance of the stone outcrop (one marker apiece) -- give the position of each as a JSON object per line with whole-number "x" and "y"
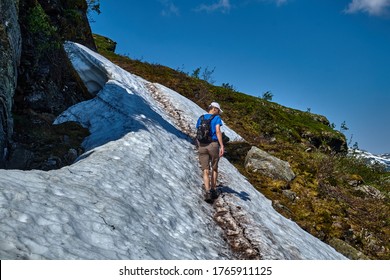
{"x": 347, "y": 250}
{"x": 326, "y": 141}
{"x": 260, "y": 161}
{"x": 37, "y": 80}
{"x": 10, "y": 49}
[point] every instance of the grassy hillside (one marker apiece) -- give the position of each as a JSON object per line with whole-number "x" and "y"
{"x": 330, "y": 198}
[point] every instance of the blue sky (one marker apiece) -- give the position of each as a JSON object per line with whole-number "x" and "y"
{"x": 331, "y": 57}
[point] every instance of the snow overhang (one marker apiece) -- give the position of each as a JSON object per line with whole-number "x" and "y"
{"x": 91, "y": 71}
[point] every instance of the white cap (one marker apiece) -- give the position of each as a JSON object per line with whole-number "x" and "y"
{"x": 216, "y": 105}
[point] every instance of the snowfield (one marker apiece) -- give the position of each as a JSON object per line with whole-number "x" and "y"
{"x": 136, "y": 193}
{"x": 382, "y": 160}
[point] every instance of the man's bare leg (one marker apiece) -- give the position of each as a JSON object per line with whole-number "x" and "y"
{"x": 206, "y": 180}
{"x": 214, "y": 177}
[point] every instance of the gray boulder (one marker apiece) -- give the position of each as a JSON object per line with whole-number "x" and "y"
{"x": 261, "y": 162}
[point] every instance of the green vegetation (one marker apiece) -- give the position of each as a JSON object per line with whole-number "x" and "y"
{"x": 38, "y": 22}
{"x": 104, "y": 44}
{"x": 332, "y": 201}
{"x": 93, "y": 6}
{"x": 268, "y": 95}
{"x": 44, "y": 34}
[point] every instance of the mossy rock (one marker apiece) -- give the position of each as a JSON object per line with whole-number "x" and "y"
{"x": 347, "y": 250}
{"x": 104, "y": 43}
{"x": 41, "y": 141}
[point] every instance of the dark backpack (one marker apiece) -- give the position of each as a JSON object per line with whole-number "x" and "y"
{"x": 203, "y": 134}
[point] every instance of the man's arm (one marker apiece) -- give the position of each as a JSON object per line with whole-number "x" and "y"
{"x": 219, "y": 136}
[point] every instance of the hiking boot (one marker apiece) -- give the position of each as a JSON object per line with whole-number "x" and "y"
{"x": 214, "y": 194}
{"x": 208, "y": 198}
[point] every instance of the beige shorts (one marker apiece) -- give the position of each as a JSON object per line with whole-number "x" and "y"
{"x": 209, "y": 153}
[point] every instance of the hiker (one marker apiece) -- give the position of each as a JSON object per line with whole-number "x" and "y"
{"x": 210, "y": 148}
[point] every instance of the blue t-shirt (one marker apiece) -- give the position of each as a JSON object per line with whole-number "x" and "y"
{"x": 214, "y": 122}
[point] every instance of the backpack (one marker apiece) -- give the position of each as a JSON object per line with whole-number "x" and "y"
{"x": 203, "y": 134}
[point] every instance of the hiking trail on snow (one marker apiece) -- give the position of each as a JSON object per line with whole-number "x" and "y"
{"x": 227, "y": 216}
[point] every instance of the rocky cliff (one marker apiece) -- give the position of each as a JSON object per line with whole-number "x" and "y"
{"x": 10, "y": 49}
{"x": 38, "y": 81}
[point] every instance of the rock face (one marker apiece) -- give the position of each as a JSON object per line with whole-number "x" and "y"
{"x": 70, "y": 19}
{"x": 37, "y": 80}
{"x": 261, "y": 162}
{"x": 47, "y": 82}
{"x": 10, "y": 49}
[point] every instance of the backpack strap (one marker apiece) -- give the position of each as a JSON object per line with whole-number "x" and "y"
{"x": 212, "y": 117}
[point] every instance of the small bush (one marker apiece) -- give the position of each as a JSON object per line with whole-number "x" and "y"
{"x": 44, "y": 34}
{"x": 38, "y": 22}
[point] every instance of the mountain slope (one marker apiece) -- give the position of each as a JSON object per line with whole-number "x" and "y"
{"x": 328, "y": 202}
{"x": 136, "y": 192}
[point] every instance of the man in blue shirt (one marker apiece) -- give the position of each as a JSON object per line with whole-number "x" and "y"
{"x": 209, "y": 153}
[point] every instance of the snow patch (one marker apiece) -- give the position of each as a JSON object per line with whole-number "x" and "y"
{"x": 136, "y": 193}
